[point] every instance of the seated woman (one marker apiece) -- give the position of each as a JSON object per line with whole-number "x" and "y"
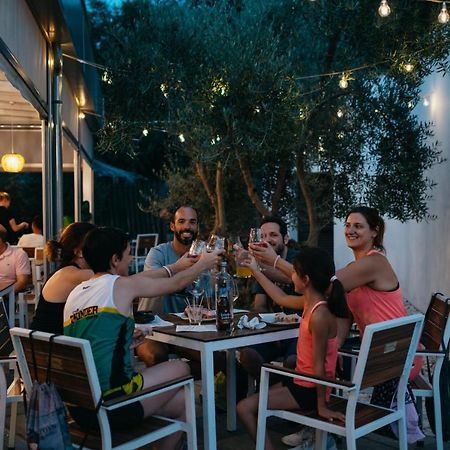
{"x": 100, "y": 310}
{"x": 72, "y": 270}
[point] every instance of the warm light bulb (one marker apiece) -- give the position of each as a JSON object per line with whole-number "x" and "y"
{"x": 340, "y": 113}
{"x": 409, "y": 67}
{"x": 81, "y": 115}
{"x": 12, "y": 162}
{"x": 343, "y": 82}
{"x": 181, "y": 137}
{"x": 426, "y": 102}
{"x": 145, "y": 132}
{"x": 443, "y": 15}
{"x": 384, "y": 10}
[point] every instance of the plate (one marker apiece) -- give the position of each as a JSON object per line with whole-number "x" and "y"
{"x": 271, "y": 319}
{"x": 183, "y": 316}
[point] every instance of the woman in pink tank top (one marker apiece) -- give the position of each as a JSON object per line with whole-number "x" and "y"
{"x": 373, "y": 290}
{"x": 322, "y": 301}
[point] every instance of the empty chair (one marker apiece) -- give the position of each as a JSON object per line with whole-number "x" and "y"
{"x": 435, "y": 338}
{"x": 144, "y": 242}
{"x": 387, "y": 352}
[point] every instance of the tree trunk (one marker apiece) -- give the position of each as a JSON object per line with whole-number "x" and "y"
{"x": 251, "y": 191}
{"x": 201, "y": 172}
{"x": 221, "y": 222}
{"x": 281, "y": 178}
{"x": 313, "y": 235}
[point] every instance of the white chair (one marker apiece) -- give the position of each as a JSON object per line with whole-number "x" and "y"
{"x": 75, "y": 377}
{"x": 435, "y": 338}
{"x": 144, "y": 242}
{"x": 387, "y": 352}
{"x": 9, "y": 394}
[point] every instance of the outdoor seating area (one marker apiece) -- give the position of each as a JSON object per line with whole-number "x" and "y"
{"x": 224, "y": 224}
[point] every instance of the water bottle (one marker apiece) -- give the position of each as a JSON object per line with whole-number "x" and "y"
{"x": 224, "y": 298}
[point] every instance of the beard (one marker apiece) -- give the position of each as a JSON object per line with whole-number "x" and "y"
{"x": 185, "y": 241}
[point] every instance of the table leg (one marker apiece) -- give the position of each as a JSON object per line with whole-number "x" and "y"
{"x": 209, "y": 403}
{"x": 231, "y": 390}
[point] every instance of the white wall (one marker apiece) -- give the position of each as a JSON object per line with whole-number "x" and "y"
{"x": 420, "y": 252}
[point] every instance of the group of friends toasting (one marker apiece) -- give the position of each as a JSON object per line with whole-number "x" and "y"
{"x": 93, "y": 270}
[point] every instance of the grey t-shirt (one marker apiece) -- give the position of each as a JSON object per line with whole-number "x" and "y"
{"x": 163, "y": 255}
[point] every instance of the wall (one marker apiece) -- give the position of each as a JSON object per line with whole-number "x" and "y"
{"x": 420, "y": 252}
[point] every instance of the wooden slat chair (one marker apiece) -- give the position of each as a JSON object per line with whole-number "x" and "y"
{"x": 144, "y": 242}
{"x": 12, "y": 393}
{"x": 435, "y": 338}
{"x": 387, "y": 352}
{"x": 75, "y": 377}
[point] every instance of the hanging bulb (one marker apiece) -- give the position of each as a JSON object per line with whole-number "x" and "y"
{"x": 340, "y": 113}
{"x": 145, "y": 132}
{"x": 343, "y": 82}
{"x": 181, "y": 137}
{"x": 384, "y": 10}
{"x": 443, "y": 15}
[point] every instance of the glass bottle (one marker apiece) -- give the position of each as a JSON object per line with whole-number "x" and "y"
{"x": 224, "y": 298}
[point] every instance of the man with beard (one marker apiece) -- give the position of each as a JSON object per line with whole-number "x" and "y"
{"x": 274, "y": 233}
{"x": 184, "y": 225}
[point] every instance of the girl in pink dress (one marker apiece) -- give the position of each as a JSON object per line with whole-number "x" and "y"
{"x": 322, "y": 301}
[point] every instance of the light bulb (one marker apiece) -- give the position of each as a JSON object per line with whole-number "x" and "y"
{"x": 181, "y": 137}
{"x": 81, "y": 115}
{"x": 343, "y": 82}
{"x": 340, "y": 113}
{"x": 426, "y": 102}
{"x": 384, "y": 10}
{"x": 145, "y": 132}
{"x": 409, "y": 67}
{"x": 443, "y": 15}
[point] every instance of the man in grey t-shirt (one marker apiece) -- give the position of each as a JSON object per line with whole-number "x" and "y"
{"x": 184, "y": 225}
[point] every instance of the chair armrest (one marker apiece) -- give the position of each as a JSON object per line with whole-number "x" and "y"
{"x": 325, "y": 381}
{"x": 353, "y": 353}
{"x": 7, "y": 359}
{"x": 438, "y": 354}
{"x": 149, "y": 392}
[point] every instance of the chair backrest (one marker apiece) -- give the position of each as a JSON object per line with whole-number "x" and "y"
{"x": 144, "y": 242}
{"x": 436, "y": 328}
{"x": 29, "y": 251}
{"x": 72, "y": 370}
{"x": 387, "y": 350}
{"x": 6, "y": 346}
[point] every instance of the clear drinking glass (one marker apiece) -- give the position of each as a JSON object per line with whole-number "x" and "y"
{"x": 197, "y": 248}
{"x": 215, "y": 242}
{"x": 255, "y": 236}
{"x": 241, "y": 271}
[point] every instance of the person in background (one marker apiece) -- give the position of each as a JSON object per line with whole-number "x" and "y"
{"x": 100, "y": 310}
{"x": 34, "y": 239}
{"x": 72, "y": 270}
{"x": 184, "y": 224}
{"x": 274, "y": 233}
{"x": 8, "y": 220}
{"x": 322, "y": 301}
{"x": 14, "y": 263}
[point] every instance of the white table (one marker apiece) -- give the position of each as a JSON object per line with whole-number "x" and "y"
{"x": 207, "y": 344}
{"x": 7, "y": 289}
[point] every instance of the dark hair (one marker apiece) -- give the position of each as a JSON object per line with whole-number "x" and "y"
{"x": 101, "y": 244}
{"x": 37, "y": 221}
{"x": 375, "y": 222}
{"x": 319, "y": 266}
{"x": 71, "y": 238}
{"x": 274, "y": 219}
{"x": 174, "y": 211}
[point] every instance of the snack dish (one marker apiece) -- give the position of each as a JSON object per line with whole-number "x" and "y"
{"x": 279, "y": 318}
{"x": 207, "y": 315}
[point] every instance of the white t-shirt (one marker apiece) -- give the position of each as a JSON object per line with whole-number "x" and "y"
{"x": 31, "y": 240}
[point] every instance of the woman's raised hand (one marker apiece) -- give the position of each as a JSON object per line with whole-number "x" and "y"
{"x": 210, "y": 259}
{"x": 246, "y": 259}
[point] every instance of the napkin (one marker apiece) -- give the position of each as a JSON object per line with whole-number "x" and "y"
{"x": 156, "y": 322}
{"x": 196, "y": 328}
{"x": 253, "y": 324}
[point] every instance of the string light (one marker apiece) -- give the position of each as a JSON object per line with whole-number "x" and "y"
{"x": 81, "y": 115}
{"x": 181, "y": 137}
{"x": 408, "y": 67}
{"x": 384, "y": 10}
{"x": 343, "y": 82}
{"x": 340, "y": 113}
{"x": 443, "y": 16}
{"x": 145, "y": 132}
{"x": 426, "y": 102}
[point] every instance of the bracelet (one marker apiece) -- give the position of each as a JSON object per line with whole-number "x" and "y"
{"x": 275, "y": 262}
{"x": 169, "y": 272}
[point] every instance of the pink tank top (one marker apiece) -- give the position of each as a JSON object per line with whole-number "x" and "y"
{"x": 370, "y": 306}
{"x": 305, "y": 350}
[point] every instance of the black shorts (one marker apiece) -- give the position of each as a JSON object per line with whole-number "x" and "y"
{"x": 306, "y": 397}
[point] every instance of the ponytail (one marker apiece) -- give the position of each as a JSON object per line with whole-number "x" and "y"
{"x": 337, "y": 303}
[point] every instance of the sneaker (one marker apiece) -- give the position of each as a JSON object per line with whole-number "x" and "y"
{"x": 309, "y": 445}
{"x": 294, "y": 439}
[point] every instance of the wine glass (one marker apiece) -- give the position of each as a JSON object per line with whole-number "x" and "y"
{"x": 194, "y": 304}
{"x": 255, "y": 236}
{"x": 215, "y": 242}
{"x": 196, "y": 248}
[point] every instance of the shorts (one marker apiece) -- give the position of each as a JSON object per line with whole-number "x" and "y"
{"x": 273, "y": 350}
{"x": 306, "y": 397}
{"x": 121, "y": 418}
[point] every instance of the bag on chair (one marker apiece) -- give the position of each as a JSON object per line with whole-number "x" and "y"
{"x": 46, "y": 416}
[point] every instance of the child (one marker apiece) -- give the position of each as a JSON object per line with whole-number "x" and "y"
{"x": 323, "y": 299}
